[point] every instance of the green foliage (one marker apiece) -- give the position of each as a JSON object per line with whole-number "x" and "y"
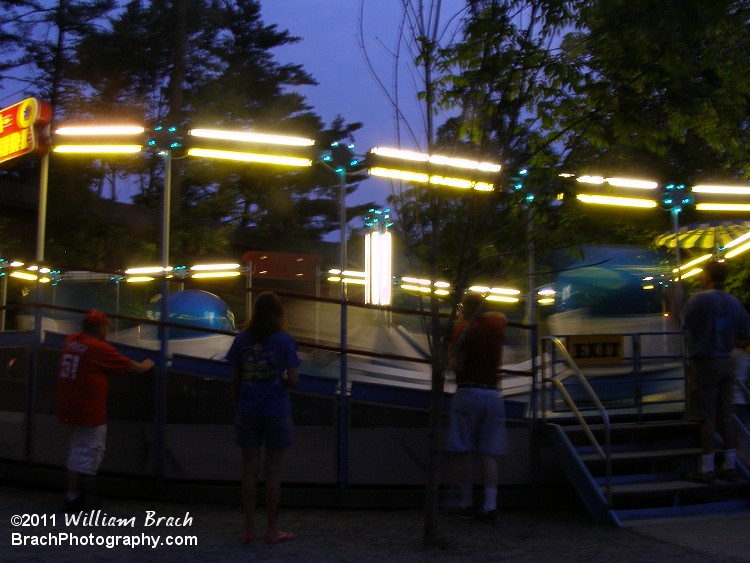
{"x": 182, "y": 63}
{"x": 639, "y": 88}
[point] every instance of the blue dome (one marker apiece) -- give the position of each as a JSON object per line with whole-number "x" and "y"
{"x": 195, "y": 308}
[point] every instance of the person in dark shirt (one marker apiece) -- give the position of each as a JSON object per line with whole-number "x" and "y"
{"x": 715, "y": 324}
{"x": 265, "y": 363}
{"x": 478, "y": 414}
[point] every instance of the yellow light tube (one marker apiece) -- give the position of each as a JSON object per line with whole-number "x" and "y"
{"x": 139, "y": 279}
{"x": 693, "y": 263}
{"x": 247, "y": 137}
{"x": 728, "y": 190}
{"x": 502, "y": 299}
{"x": 691, "y": 273}
{"x": 420, "y": 288}
{"x": 722, "y": 206}
{"x": 409, "y": 176}
{"x": 23, "y": 276}
{"x": 97, "y": 149}
{"x": 616, "y": 201}
{"x": 400, "y": 174}
{"x": 250, "y": 157}
{"x": 739, "y": 250}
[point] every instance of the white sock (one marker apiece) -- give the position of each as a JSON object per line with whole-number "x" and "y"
{"x": 707, "y": 463}
{"x": 490, "y": 499}
{"x": 730, "y": 456}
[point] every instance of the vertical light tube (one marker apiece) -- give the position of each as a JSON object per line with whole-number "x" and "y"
{"x": 369, "y": 280}
{"x": 385, "y": 252}
{"x": 378, "y": 254}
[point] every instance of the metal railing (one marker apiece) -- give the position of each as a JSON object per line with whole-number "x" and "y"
{"x": 555, "y": 378}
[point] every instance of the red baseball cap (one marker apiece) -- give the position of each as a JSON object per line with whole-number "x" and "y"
{"x": 96, "y": 318}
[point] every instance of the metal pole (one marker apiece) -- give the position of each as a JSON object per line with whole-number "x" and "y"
{"x": 343, "y": 399}
{"x": 3, "y": 298}
{"x": 161, "y": 372}
{"x": 248, "y": 292}
{"x": 34, "y": 361}
{"x": 675, "y": 212}
{"x": 42, "y": 211}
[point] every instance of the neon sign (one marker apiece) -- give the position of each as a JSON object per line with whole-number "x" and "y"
{"x": 21, "y": 128}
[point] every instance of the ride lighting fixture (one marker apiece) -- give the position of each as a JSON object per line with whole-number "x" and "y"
{"x": 261, "y": 148}
{"x": 617, "y": 200}
{"x": 719, "y": 198}
{"x": 432, "y": 169}
{"x": 106, "y": 139}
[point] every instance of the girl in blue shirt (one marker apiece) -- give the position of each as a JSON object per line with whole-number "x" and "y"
{"x": 264, "y": 364}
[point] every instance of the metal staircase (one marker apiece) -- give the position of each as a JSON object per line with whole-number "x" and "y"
{"x": 643, "y": 476}
{"x": 629, "y": 467}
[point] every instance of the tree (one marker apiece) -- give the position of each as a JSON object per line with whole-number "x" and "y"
{"x": 668, "y": 100}
{"x": 492, "y": 74}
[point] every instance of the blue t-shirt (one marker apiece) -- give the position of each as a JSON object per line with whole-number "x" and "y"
{"x": 261, "y": 367}
{"x": 716, "y": 323}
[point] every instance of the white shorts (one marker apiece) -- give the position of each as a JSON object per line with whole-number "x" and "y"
{"x": 87, "y": 445}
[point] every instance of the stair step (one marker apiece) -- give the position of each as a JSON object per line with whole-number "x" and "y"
{"x": 633, "y": 425}
{"x": 653, "y": 488}
{"x": 641, "y": 455}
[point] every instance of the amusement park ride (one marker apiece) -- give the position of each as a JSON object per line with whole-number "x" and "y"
{"x": 613, "y": 321}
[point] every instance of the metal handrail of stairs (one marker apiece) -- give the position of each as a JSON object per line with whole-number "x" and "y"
{"x": 556, "y": 379}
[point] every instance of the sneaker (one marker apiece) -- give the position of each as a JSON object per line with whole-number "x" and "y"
{"x": 728, "y": 475}
{"x": 489, "y": 516}
{"x": 701, "y": 477}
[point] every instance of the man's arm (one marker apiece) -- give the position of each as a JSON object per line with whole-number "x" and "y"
{"x": 141, "y": 367}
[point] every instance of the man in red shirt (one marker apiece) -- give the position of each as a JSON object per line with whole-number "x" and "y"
{"x": 86, "y": 363}
{"x": 478, "y": 416}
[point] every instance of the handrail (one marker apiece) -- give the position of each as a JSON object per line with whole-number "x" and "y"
{"x": 603, "y": 453}
{"x": 741, "y": 421}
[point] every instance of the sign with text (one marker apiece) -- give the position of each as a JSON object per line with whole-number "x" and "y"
{"x": 21, "y": 129}
{"x": 590, "y": 349}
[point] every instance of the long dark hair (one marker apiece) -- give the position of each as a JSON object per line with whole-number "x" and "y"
{"x": 268, "y": 316}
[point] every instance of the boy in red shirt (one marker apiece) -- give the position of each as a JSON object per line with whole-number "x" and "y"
{"x": 86, "y": 363}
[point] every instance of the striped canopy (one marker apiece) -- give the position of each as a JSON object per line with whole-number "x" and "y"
{"x": 707, "y": 236}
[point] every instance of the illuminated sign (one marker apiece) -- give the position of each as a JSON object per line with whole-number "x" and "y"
{"x": 589, "y": 349}
{"x": 20, "y": 129}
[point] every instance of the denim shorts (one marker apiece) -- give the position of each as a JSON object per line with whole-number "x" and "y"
{"x": 711, "y": 389}
{"x": 277, "y": 432}
{"x": 478, "y": 423}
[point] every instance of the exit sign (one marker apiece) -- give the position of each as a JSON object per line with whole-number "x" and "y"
{"x": 590, "y": 349}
